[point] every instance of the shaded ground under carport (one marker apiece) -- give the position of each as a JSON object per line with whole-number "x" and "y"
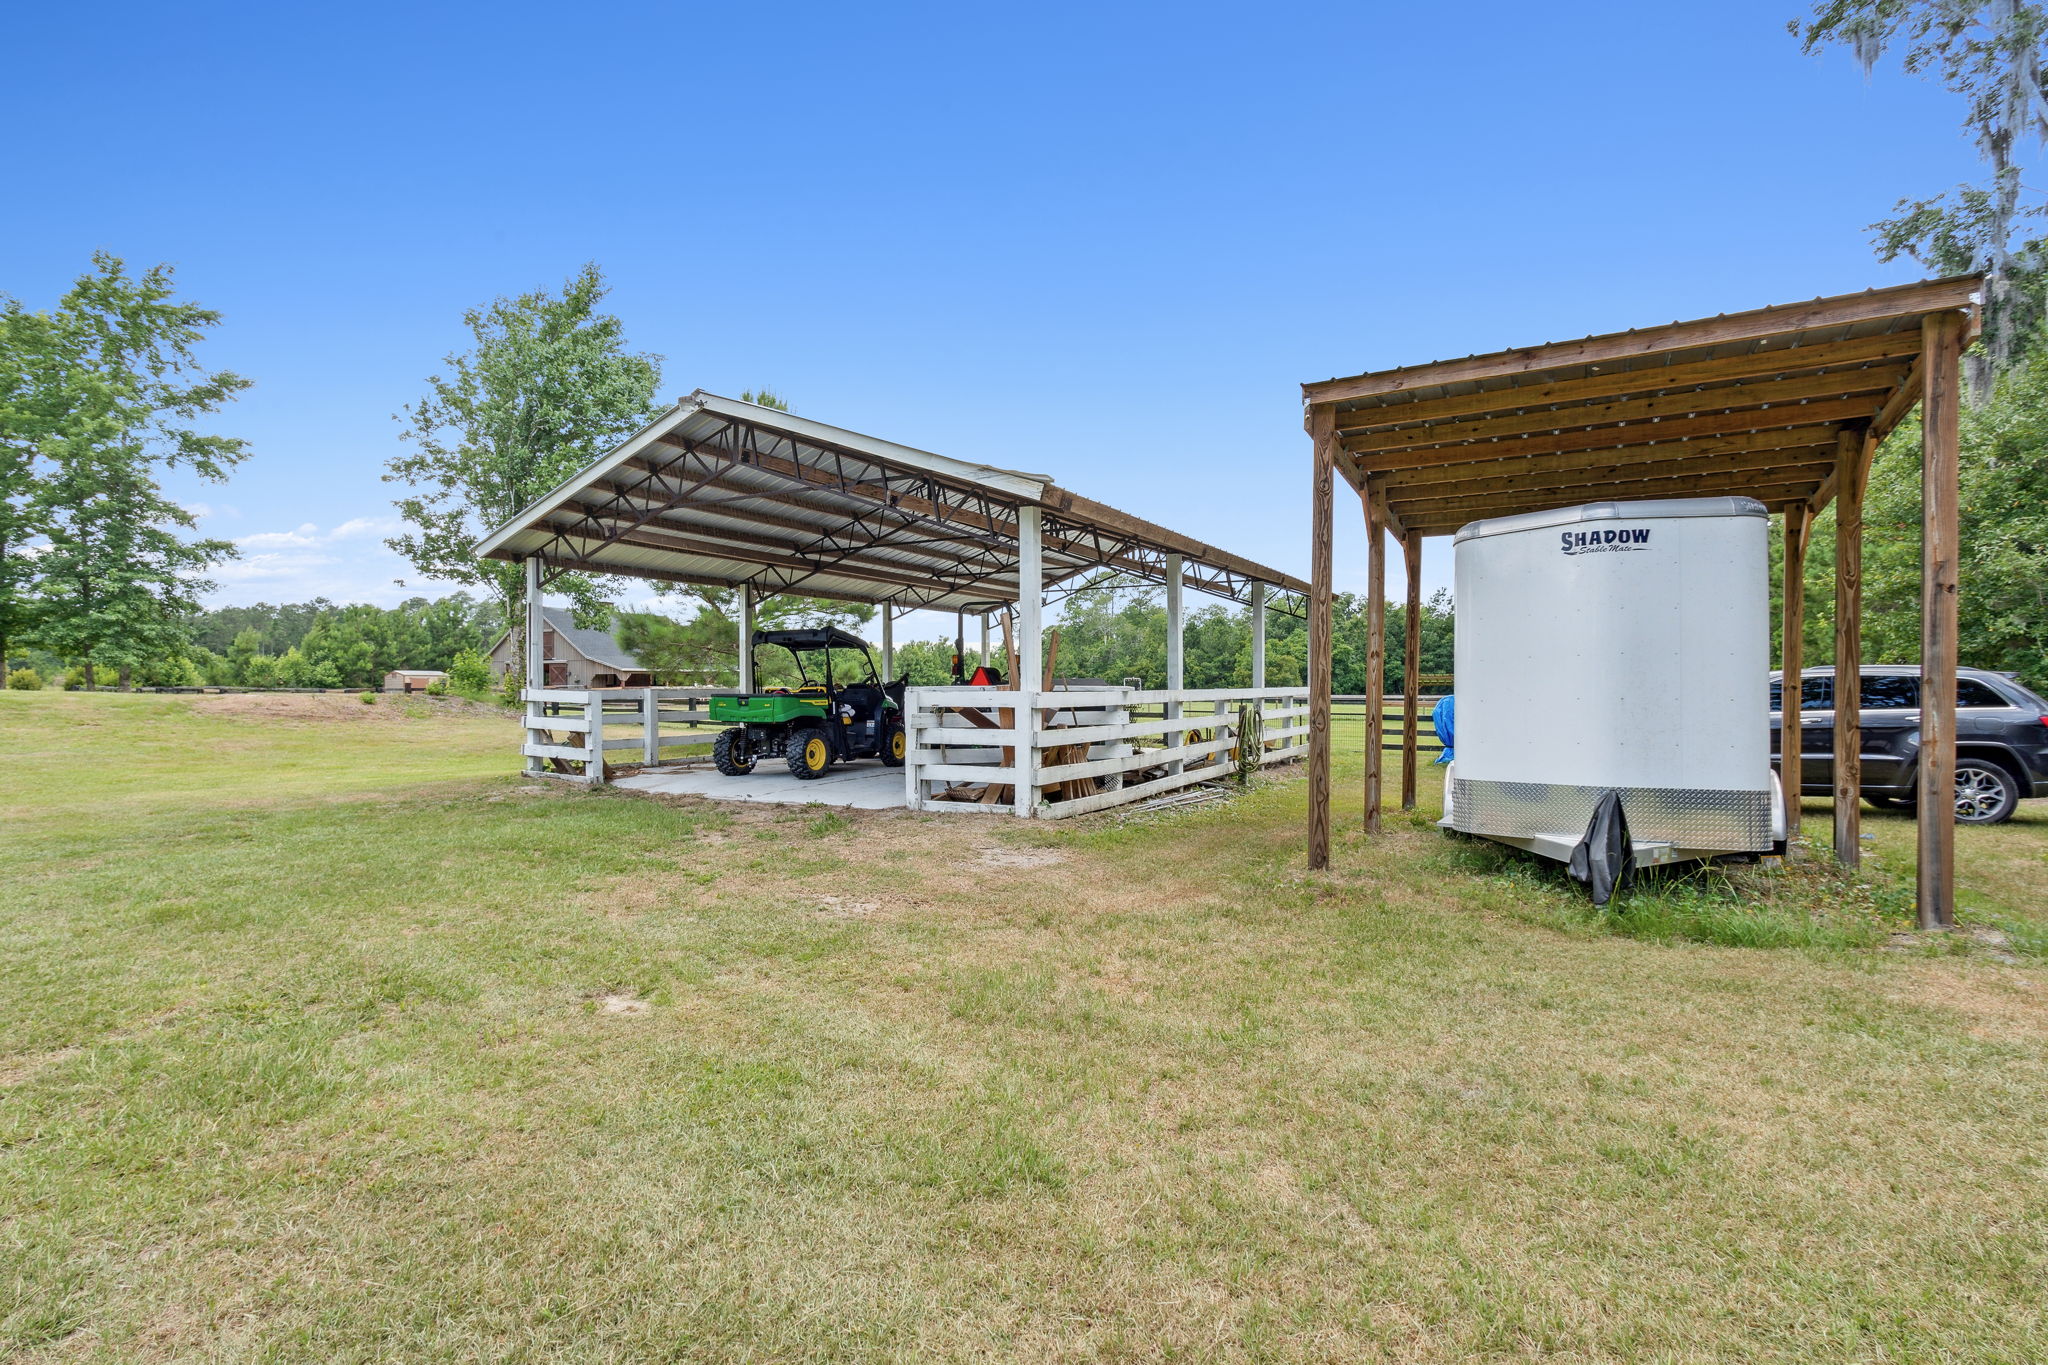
{"x": 865, "y": 785}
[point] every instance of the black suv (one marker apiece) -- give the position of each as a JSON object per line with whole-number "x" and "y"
{"x": 2001, "y": 739}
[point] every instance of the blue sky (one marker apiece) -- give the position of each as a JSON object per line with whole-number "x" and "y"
{"x": 1105, "y": 242}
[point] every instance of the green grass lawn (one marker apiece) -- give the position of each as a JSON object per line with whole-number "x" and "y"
{"x": 326, "y": 1036}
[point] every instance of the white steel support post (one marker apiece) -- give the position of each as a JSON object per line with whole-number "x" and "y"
{"x": 1176, "y": 654}
{"x": 1258, "y": 739}
{"x": 536, "y": 653}
{"x": 746, "y": 638}
{"x": 1258, "y": 636}
{"x": 1030, "y": 653}
{"x": 650, "y": 727}
{"x": 984, "y": 639}
{"x": 888, "y": 642}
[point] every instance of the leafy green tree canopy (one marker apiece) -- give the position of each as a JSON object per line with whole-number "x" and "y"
{"x": 97, "y": 396}
{"x": 548, "y": 386}
{"x": 1991, "y": 53}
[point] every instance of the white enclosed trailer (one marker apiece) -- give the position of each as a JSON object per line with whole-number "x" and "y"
{"x": 1617, "y": 647}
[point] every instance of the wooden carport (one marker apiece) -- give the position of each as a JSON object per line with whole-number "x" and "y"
{"x": 1784, "y": 404}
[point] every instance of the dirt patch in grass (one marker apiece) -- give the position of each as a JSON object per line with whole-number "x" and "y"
{"x": 334, "y": 708}
{"x": 846, "y": 907}
{"x": 1998, "y": 1003}
{"x": 999, "y": 855}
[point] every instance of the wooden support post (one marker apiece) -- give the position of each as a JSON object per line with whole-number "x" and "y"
{"x": 888, "y": 642}
{"x": 1030, "y": 646}
{"x": 1798, "y": 521}
{"x": 1852, "y": 472}
{"x": 536, "y": 660}
{"x": 1942, "y": 335}
{"x": 1375, "y": 659}
{"x": 746, "y": 638}
{"x": 1411, "y": 667}
{"x": 1176, "y": 648}
{"x": 1323, "y": 433}
{"x": 1258, "y": 636}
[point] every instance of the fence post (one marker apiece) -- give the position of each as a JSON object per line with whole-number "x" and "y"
{"x": 913, "y": 719}
{"x": 593, "y": 740}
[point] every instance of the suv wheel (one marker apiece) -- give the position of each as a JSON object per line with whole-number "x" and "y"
{"x": 1985, "y": 792}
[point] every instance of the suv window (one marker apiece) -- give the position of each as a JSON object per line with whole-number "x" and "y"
{"x": 1970, "y": 692}
{"x": 1890, "y": 691}
{"x": 1815, "y": 694}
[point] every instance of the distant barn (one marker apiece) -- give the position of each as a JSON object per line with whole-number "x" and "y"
{"x": 412, "y": 679}
{"x": 575, "y": 657}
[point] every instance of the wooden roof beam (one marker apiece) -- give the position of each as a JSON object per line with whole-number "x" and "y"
{"x": 1898, "y": 302}
{"x": 1635, "y": 435}
{"x": 1758, "y": 468}
{"x": 1690, "y": 402}
{"x": 1767, "y": 447}
{"x": 1778, "y": 362}
{"x": 1777, "y": 489}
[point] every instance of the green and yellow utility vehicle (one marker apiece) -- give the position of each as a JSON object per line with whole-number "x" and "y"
{"x": 822, "y": 720}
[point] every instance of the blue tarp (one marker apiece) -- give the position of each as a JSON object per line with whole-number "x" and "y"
{"x": 1444, "y": 718}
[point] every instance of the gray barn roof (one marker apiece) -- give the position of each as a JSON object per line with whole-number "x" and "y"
{"x": 599, "y": 646}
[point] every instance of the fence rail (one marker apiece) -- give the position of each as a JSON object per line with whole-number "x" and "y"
{"x": 1393, "y": 720}
{"x": 1054, "y": 754}
{"x": 566, "y": 728}
{"x": 1046, "y": 754}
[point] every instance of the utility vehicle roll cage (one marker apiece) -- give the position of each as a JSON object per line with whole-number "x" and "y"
{"x": 816, "y": 639}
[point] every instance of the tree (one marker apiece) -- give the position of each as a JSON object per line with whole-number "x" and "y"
{"x": 1991, "y": 53}
{"x": 31, "y": 412}
{"x": 110, "y": 381}
{"x": 705, "y": 648}
{"x": 548, "y": 387}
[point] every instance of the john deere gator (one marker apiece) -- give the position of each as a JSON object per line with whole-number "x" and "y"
{"x": 827, "y": 717}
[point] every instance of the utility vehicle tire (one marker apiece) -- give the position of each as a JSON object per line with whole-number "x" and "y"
{"x": 1985, "y": 792}
{"x": 895, "y": 744}
{"x": 810, "y": 753}
{"x": 731, "y": 752}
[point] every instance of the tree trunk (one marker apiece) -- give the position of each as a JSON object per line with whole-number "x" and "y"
{"x": 127, "y": 678}
{"x": 91, "y": 684}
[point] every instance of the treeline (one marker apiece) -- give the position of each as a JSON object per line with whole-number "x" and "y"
{"x": 1119, "y": 631}
{"x": 2003, "y": 550}
{"x": 300, "y": 644}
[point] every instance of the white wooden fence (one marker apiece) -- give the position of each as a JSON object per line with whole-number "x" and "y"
{"x": 566, "y": 728}
{"x": 1068, "y": 752}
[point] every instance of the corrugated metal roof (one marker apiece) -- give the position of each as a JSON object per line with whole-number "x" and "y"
{"x": 725, "y": 493}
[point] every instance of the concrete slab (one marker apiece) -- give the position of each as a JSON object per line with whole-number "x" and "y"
{"x": 864, "y": 785}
